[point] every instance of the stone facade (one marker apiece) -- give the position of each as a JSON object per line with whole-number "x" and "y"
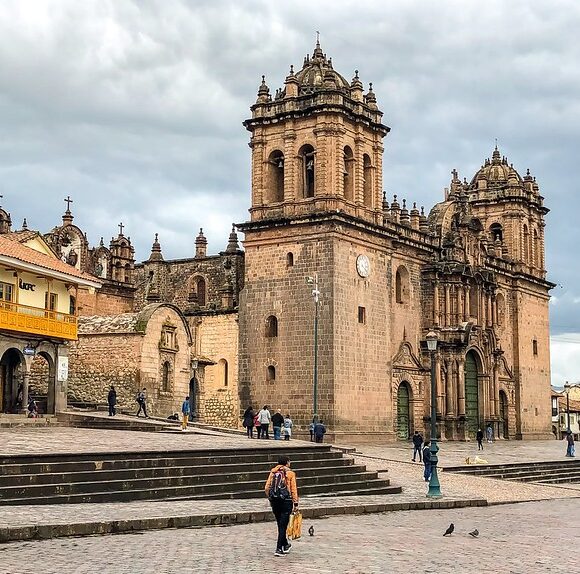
{"x": 150, "y": 349}
{"x": 472, "y": 272}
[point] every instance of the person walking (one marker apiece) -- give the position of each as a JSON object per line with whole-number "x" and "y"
{"x": 264, "y": 417}
{"x": 258, "y": 425}
{"x": 427, "y": 461}
{"x": 319, "y": 431}
{"x": 248, "y": 421}
{"x": 489, "y": 433}
{"x": 311, "y": 428}
{"x": 112, "y": 401}
{"x": 282, "y": 493}
{"x": 185, "y": 410}
{"x": 142, "y": 401}
{"x": 570, "y": 449}
{"x": 479, "y": 437}
{"x": 417, "y": 443}
{"x": 277, "y": 424}
{"x": 288, "y": 424}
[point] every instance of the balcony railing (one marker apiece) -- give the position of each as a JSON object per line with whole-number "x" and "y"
{"x": 34, "y": 321}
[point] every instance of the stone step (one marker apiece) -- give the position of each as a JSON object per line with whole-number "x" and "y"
{"x": 511, "y": 467}
{"x": 201, "y": 456}
{"x": 304, "y": 468}
{"x": 255, "y": 489}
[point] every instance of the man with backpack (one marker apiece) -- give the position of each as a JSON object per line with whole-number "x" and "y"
{"x": 282, "y": 493}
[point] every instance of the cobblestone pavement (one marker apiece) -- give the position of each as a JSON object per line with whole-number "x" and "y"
{"x": 455, "y": 453}
{"x": 84, "y": 440}
{"x": 519, "y": 539}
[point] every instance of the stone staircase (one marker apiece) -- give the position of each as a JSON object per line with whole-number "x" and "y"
{"x": 102, "y": 421}
{"x": 551, "y": 472}
{"x": 182, "y": 475}
{"x": 14, "y": 421}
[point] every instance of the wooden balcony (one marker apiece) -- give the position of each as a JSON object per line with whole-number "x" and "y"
{"x": 33, "y": 321}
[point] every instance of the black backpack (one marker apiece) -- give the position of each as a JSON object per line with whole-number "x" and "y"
{"x": 278, "y": 487}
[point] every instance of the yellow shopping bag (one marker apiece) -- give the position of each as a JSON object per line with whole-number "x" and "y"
{"x": 294, "y": 529}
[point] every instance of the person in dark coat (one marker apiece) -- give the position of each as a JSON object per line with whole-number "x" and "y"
{"x": 427, "y": 461}
{"x": 112, "y": 400}
{"x": 479, "y": 437}
{"x": 277, "y": 424}
{"x": 319, "y": 431}
{"x": 417, "y": 443}
{"x": 248, "y": 421}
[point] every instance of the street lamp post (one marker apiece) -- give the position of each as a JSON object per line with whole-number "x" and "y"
{"x": 567, "y": 387}
{"x": 313, "y": 281}
{"x": 434, "y": 487}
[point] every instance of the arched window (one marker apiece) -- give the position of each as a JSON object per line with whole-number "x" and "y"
{"x": 368, "y": 181}
{"x": 496, "y": 232}
{"x": 348, "y": 174}
{"x": 201, "y": 291}
{"x": 536, "y": 249}
{"x": 526, "y": 249}
{"x": 223, "y": 372}
{"x": 402, "y": 285}
{"x": 271, "y": 373}
{"x": 275, "y": 183}
{"x": 271, "y": 326}
{"x": 290, "y": 259}
{"x": 307, "y": 156}
{"x": 500, "y": 305}
{"x": 127, "y": 273}
{"x": 166, "y": 383}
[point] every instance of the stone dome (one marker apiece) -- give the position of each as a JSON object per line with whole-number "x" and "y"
{"x": 496, "y": 173}
{"x": 317, "y": 73}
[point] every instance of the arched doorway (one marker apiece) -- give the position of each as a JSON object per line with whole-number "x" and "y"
{"x": 41, "y": 383}
{"x": 471, "y": 393}
{"x": 503, "y": 413}
{"x": 403, "y": 411}
{"x": 12, "y": 376}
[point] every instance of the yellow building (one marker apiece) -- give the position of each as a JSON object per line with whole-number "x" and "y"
{"x": 37, "y": 315}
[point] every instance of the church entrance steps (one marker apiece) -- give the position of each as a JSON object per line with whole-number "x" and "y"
{"x": 13, "y": 421}
{"x": 55, "y": 521}
{"x": 188, "y": 474}
{"x": 550, "y": 472}
{"x": 119, "y": 422}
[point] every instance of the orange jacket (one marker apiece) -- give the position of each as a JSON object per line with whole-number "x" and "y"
{"x": 290, "y": 481}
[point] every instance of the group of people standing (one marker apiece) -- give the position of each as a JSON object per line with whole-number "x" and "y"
{"x": 261, "y": 421}
{"x": 281, "y": 425}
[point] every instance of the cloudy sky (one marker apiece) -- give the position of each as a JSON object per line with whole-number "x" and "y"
{"x": 134, "y": 109}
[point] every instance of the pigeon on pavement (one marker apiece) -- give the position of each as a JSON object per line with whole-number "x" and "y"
{"x": 311, "y": 531}
{"x": 449, "y": 530}
{"x": 475, "y": 533}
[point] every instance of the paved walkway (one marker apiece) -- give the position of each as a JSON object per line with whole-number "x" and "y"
{"x": 521, "y": 539}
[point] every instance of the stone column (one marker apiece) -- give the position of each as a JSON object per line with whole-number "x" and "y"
{"x": 489, "y": 310}
{"x": 436, "y": 303}
{"x": 494, "y": 310}
{"x": 461, "y": 387}
{"x": 467, "y": 308}
{"x": 438, "y": 384}
{"x": 494, "y": 389}
{"x": 25, "y": 381}
{"x": 449, "y": 388}
{"x": 460, "y": 304}
{"x": 447, "y": 319}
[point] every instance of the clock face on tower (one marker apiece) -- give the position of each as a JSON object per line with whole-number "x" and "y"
{"x": 363, "y": 266}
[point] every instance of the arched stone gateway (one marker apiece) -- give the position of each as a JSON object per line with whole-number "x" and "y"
{"x": 403, "y": 411}
{"x": 12, "y": 369}
{"x": 471, "y": 393}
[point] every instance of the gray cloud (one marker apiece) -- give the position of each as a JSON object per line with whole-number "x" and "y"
{"x": 135, "y": 108}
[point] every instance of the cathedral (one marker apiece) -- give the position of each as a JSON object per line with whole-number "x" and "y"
{"x": 326, "y": 309}
{"x": 472, "y": 271}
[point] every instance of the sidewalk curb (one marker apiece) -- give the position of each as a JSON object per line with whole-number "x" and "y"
{"x": 47, "y": 531}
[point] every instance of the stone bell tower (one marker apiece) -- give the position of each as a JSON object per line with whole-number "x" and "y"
{"x": 315, "y": 214}
{"x": 316, "y": 145}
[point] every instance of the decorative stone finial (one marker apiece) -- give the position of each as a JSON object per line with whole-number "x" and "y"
{"x": 233, "y": 244}
{"x": 156, "y": 254}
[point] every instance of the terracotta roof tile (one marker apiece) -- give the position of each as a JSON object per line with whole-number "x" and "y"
{"x": 13, "y": 248}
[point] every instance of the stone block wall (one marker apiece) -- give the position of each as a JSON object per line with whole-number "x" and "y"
{"x": 97, "y": 361}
